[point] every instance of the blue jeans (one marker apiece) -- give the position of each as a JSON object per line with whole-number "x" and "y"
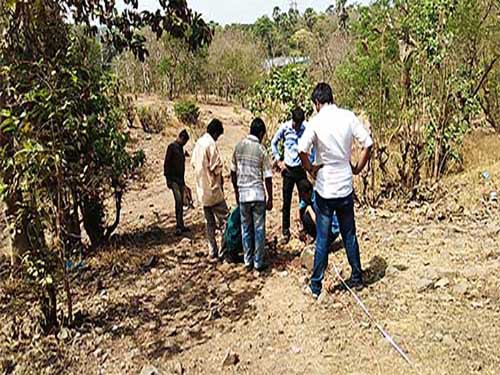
{"x": 253, "y": 232}
{"x": 344, "y": 208}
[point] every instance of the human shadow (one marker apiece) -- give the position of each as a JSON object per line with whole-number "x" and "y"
{"x": 375, "y": 270}
{"x": 199, "y": 294}
{"x": 371, "y": 275}
{"x": 154, "y": 235}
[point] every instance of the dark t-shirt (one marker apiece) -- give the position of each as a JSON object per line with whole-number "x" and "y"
{"x": 174, "y": 166}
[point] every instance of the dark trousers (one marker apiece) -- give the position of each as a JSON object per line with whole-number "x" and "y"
{"x": 344, "y": 207}
{"x": 178, "y": 191}
{"x": 291, "y": 177}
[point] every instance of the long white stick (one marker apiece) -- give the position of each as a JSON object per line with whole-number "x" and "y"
{"x": 365, "y": 310}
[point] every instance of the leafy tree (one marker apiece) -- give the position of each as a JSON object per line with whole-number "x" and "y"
{"x": 62, "y": 150}
{"x": 171, "y": 67}
{"x": 277, "y": 94}
{"x": 264, "y": 28}
{"x": 417, "y": 70}
{"x": 235, "y": 63}
{"x": 310, "y": 18}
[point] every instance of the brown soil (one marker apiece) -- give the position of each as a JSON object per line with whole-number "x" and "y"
{"x": 431, "y": 268}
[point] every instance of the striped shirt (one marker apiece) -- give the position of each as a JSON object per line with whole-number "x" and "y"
{"x": 251, "y": 165}
{"x": 290, "y": 138}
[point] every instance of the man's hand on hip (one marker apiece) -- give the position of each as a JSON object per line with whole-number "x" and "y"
{"x": 313, "y": 171}
{"x": 269, "y": 205}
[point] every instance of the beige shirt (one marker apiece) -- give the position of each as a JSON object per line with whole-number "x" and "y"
{"x": 207, "y": 164}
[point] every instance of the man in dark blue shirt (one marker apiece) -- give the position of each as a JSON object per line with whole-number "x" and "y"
{"x": 289, "y": 164}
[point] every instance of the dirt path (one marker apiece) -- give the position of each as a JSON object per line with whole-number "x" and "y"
{"x": 432, "y": 286}
{"x": 154, "y": 300}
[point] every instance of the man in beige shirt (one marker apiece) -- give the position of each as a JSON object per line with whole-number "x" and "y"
{"x": 207, "y": 163}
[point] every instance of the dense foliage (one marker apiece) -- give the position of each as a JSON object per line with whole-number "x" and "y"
{"x": 280, "y": 92}
{"x": 227, "y": 68}
{"x": 417, "y": 70}
{"x": 187, "y": 112}
{"x": 62, "y": 150}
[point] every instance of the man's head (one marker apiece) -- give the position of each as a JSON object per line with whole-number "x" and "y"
{"x": 183, "y": 138}
{"x": 215, "y": 129}
{"x": 322, "y": 95}
{"x": 298, "y": 117}
{"x": 258, "y": 128}
{"x": 305, "y": 189}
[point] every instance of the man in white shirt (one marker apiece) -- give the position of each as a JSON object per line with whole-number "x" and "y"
{"x": 207, "y": 163}
{"x": 250, "y": 172}
{"x": 331, "y": 133}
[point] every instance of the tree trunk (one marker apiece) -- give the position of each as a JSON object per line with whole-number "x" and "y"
{"x": 18, "y": 239}
{"x": 48, "y": 304}
{"x": 93, "y": 214}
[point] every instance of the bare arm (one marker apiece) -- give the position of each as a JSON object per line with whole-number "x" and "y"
{"x": 306, "y": 162}
{"x": 363, "y": 160}
{"x": 362, "y": 134}
{"x": 308, "y": 166}
{"x": 269, "y": 189}
{"x": 234, "y": 180}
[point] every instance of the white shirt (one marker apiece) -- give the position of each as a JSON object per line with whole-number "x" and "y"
{"x": 252, "y": 166}
{"x": 331, "y": 132}
{"x": 207, "y": 164}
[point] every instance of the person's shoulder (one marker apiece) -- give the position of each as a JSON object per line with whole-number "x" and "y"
{"x": 345, "y": 113}
{"x": 314, "y": 121}
{"x": 239, "y": 144}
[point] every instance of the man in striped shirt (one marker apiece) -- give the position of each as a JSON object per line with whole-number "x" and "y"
{"x": 250, "y": 171}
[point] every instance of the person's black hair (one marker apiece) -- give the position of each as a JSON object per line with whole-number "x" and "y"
{"x": 258, "y": 127}
{"x": 215, "y": 128}
{"x": 184, "y": 135}
{"x": 298, "y": 115}
{"x": 322, "y": 94}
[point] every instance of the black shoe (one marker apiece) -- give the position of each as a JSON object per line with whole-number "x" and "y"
{"x": 178, "y": 232}
{"x": 262, "y": 268}
{"x": 186, "y": 230}
{"x": 355, "y": 285}
{"x": 248, "y": 268}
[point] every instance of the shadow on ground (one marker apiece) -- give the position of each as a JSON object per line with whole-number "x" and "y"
{"x": 375, "y": 271}
{"x": 164, "y": 292}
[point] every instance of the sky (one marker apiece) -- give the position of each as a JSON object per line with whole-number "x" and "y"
{"x": 243, "y": 11}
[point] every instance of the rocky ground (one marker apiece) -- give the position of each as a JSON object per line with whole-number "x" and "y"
{"x": 152, "y": 302}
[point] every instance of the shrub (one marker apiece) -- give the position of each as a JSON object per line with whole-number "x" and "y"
{"x": 187, "y": 112}
{"x": 152, "y": 119}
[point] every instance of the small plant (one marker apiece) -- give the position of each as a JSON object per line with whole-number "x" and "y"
{"x": 153, "y": 120}
{"x": 187, "y": 112}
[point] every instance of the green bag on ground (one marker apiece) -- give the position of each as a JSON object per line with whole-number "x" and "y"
{"x": 232, "y": 235}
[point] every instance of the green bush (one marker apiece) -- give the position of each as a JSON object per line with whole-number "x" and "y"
{"x": 153, "y": 120}
{"x": 187, "y": 111}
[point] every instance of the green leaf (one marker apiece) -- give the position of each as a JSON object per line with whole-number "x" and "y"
{"x": 10, "y": 4}
{"x": 3, "y": 191}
